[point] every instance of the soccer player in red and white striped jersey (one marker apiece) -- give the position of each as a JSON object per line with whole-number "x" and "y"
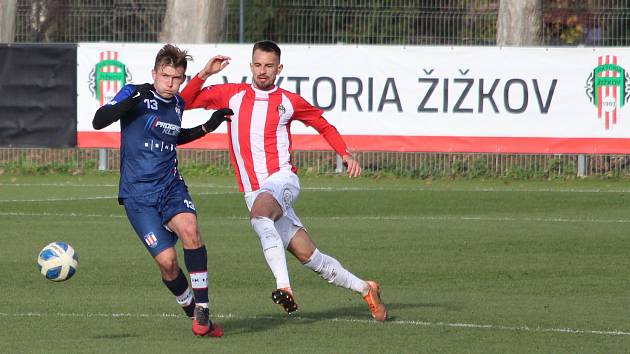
{"x": 260, "y": 148}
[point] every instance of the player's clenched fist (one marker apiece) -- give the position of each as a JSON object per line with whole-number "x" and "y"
{"x": 143, "y": 91}
{"x": 216, "y": 119}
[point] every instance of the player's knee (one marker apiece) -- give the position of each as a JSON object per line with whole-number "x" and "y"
{"x": 189, "y": 232}
{"x": 260, "y": 213}
{"x": 192, "y": 241}
{"x": 266, "y": 206}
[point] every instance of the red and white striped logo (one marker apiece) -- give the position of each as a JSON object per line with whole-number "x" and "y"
{"x": 606, "y": 87}
{"x": 150, "y": 240}
{"x": 108, "y": 77}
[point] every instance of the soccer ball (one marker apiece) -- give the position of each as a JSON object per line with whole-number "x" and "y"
{"x": 57, "y": 261}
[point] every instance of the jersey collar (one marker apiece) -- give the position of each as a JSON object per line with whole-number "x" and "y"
{"x": 264, "y": 92}
{"x": 157, "y": 95}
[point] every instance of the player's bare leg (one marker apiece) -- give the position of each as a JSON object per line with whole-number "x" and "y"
{"x": 175, "y": 280}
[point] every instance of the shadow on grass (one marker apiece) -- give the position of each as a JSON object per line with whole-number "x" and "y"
{"x": 358, "y": 312}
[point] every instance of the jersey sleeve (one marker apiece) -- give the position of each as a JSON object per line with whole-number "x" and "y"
{"x": 123, "y": 94}
{"x": 209, "y": 97}
{"x": 304, "y": 111}
{"x": 115, "y": 109}
{"x": 312, "y": 116}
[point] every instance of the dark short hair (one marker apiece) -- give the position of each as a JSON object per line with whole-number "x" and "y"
{"x": 170, "y": 55}
{"x": 267, "y": 46}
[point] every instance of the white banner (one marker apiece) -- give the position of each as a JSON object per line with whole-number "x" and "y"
{"x": 418, "y": 96}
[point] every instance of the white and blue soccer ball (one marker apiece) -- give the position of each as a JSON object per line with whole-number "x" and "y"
{"x": 57, "y": 261}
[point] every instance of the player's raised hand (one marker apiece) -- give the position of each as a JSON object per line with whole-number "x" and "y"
{"x": 217, "y": 118}
{"x": 354, "y": 169}
{"x": 213, "y": 66}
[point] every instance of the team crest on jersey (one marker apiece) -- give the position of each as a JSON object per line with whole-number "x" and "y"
{"x": 281, "y": 109}
{"x": 151, "y": 240}
{"x": 287, "y": 198}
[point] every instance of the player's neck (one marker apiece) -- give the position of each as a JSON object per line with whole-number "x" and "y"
{"x": 267, "y": 89}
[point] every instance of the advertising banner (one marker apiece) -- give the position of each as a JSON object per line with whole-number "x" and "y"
{"x": 38, "y": 95}
{"x": 398, "y": 98}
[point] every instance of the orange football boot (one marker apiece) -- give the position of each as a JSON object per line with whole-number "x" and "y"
{"x": 373, "y": 299}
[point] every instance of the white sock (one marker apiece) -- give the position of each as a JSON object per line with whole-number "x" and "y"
{"x": 273, "y": 250}
{"x": 330, "y": 269}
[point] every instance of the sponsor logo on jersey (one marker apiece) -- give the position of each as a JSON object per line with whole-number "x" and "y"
{"x": 108, "y": 76}
{"x": 150, "y": 240}
{"x": 168, "y": 126}
{"x": 153, "y": 122}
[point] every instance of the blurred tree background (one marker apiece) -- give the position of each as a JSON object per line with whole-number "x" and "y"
{"x": 401, "y": 22}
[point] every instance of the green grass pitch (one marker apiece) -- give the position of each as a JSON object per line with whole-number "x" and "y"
{"x": 465, "y": 266}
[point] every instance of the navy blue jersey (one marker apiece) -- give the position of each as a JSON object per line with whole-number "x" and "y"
{"x": 148, "y": 160}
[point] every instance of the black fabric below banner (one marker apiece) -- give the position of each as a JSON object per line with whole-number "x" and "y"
{"x": 38, "y": 95}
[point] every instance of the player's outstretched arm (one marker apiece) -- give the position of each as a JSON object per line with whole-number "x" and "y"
{"x": 353, "y": 166}
{"x": 213, "y": 66}
{"x": 187, "y": 135}
{"x": 110, "y": 113}
{"x": 334, "y": 139}
{"x": 190, "y": 93}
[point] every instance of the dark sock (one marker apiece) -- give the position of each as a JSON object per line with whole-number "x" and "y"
{"x": 197, "y": 264}
{"x": 179, "y": 287}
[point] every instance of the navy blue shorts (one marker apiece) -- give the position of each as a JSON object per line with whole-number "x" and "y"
{"x": 149, "y": 213}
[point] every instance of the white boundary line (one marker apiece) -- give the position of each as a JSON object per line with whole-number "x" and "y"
{"x": 359, "y": 189}
{"x": 56, "y": 185}
{"x": 55, "y": 199}
{"x": 384, "y": 218}
{"x": 343, "y": 320}
{"x": 87, "y": 185}
{"x": 68, "y": 215}
{"x": 231, "y": 190}
{"x": 72, "y": 199}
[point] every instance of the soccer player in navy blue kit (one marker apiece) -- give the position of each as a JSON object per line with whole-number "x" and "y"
{"x": 151, "y": 189}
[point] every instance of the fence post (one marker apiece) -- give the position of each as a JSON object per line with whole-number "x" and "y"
{"x": 339, "y": 165}
{"x": 581, "y": 165}
{"x": 241, "y": 21}
{"x": 102, "y": 159}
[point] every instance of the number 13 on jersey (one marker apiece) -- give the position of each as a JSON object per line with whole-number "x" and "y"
{"x": 151, "y": 104}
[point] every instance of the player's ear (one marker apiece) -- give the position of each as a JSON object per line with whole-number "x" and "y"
{"x": 279, "y": 68}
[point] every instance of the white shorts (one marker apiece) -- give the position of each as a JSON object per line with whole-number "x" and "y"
{"x": 285, "y": 188}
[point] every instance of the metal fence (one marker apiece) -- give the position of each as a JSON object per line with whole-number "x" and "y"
{"x": 407, "y": 164}
{"x": 409, "y": 22}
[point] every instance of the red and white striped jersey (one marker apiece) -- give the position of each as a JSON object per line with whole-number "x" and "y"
{"x": 260, "y": 131}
